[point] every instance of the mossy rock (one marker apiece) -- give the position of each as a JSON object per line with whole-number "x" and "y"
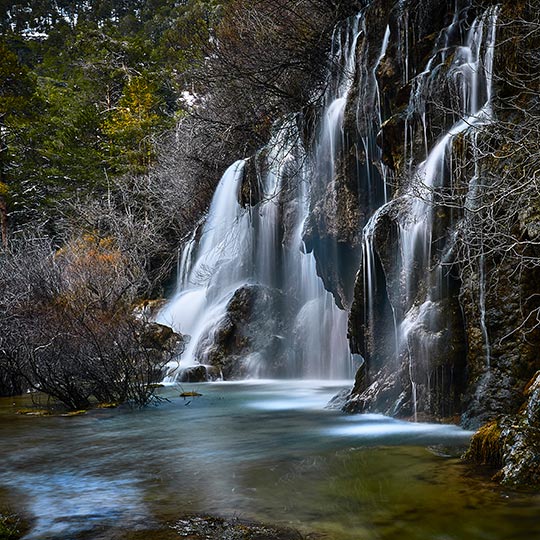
{"x": 11, "y": 526}
{"x": 214, "y": 528}
{"x": 190, "y": 394}
{"x": 112, "y": 405}
{"x": 29, "y": 411}
{"x": 80, "y": 412}
{"x": 512, "y": 446}
{"x": 486, "y": 447}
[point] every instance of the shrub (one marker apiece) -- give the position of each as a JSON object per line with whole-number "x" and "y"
{"x": 67, "y": 325}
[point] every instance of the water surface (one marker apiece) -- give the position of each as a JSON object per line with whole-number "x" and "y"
{"x": 264, "y": 450}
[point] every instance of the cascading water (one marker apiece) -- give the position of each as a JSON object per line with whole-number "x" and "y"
{"x": 420, "y": 282}
{"x": 207, "y": 279}
{"x": 264, "y": 245}
{"x": 239, "y": 247}
{"x": 472, "y": 69}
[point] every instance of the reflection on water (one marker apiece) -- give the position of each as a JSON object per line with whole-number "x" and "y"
{"x": 262, "y": 450}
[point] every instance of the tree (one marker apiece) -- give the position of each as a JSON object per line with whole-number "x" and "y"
{"x": 132, "y": 125}
{"x": 16, "y": 92}
{"x": 68, "y": 328}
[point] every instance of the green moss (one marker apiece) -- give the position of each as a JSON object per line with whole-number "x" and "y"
{"x": 113, "y": 405}
{"x": 10, "y": 526}
{"x": 486, "y": 445}
{"x": 75, "y": 413}
{"x": 190, "y": 394}
{"x": 29, "y": 411}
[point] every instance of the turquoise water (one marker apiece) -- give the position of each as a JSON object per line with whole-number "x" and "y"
{"x": 264, "y": 450}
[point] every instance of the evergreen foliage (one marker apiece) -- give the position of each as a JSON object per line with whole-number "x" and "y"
{"x": 87, "y": 88}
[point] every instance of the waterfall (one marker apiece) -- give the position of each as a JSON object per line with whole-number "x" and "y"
{"x": 247, "y": 278}
{"x": 207, "y": 275}
{"x": 263, "y": 246}
{"x": 472, "y": 69}
{"x": 420, "y": 284}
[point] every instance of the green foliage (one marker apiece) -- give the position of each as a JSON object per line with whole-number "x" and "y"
{"x": 16, "y": 85}
{"x": 85, "y": 90}
{"x": 131, "y": 125}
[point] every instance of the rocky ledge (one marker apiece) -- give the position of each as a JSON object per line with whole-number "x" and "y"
{"x": 511, "y": 443}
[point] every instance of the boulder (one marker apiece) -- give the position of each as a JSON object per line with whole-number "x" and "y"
{"x": 248, "y": 341}
{"x": 193, "y": 374}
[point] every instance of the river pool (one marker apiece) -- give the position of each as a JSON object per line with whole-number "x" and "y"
{"x": 260, "y": 450}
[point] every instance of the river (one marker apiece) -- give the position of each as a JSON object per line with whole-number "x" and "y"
{"x": 261, "y": 450}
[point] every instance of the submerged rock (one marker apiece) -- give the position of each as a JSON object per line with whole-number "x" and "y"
{"x": 214, "y": 528}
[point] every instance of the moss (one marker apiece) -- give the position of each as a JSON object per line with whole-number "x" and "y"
{"x": 486, "y": 445}
{"x": 29, "y": 411}
{"x": 190, "y": 394}
{"x": 11, "y": 527}
{"x": 112, "y": 405}
{"x": 80, "y": 412}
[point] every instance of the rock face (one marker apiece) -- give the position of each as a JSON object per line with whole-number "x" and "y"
{"x": 249, "y": 339}
{"x": 511, "y": 443}
{"x": 445, "y": 323}
{"x": 405, "y": 316}
{"x": 445, "y": 300}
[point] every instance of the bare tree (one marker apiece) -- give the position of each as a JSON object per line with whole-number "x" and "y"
{"x": 67, "y": 325}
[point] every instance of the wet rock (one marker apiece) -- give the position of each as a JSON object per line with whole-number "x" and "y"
{"x": 496, "y": 381}
{"x": 383, "y": 396}
{"x": 248, "y": 341}
{"x": 391, "y": 140}
{"x": 426, "y": 353}
{"x": 193, "y": 374}
{"x": 520, "y": 453}
{"x": 332, "y": 233}
{"x": 159, "y": 337}
{"x": 339, "y": 401}
{"x": 213, "y": 528}
{"x": 532, "y": 391}
{"x": 361, "y": 379}
{"x": 251, "y": 191}
{"x": 512, "y": 446}
{"x": 376, "y": 347}
{"x": 511, "y": 443}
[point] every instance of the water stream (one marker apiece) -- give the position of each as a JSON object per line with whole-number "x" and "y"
{"x": 264, "y": 450}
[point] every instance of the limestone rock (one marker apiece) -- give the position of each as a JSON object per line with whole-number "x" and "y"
{"x": 512, "y": 443}
{"x": 248, "y": 340}
{"x": 193, "y": 374}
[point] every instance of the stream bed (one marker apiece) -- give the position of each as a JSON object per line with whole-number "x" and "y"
{"x": 260, "y": 450}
